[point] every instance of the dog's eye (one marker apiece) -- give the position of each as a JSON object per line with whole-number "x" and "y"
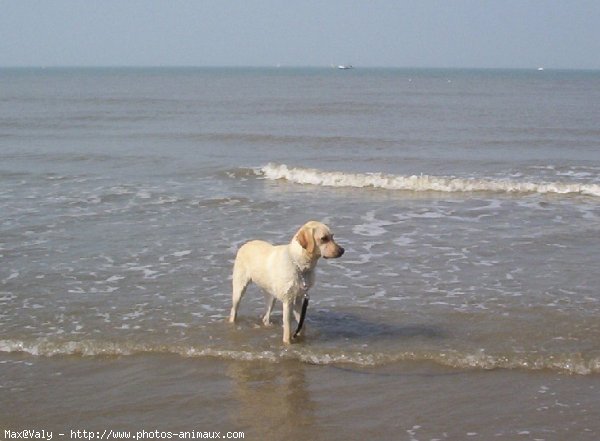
{"x": 325, "y": 239}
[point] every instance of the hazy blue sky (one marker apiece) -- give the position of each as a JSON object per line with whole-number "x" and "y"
{"x": 419, "y": 33}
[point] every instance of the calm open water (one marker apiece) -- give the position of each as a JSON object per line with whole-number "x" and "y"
{"x": 468, "y": 203}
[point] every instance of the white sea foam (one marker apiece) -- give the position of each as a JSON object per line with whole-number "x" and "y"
{"x": 571, "y": 363}
{"x": 372, "y": 226}
{"x": 182, "y": 253}
{"x": 13, "y": 275}
{"x": 420, "y": 183}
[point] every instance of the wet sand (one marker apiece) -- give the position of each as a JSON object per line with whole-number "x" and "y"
{"x": 292, "y": 400}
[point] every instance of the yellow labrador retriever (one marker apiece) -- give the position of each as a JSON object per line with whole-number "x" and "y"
{"x": 284, "y": 272}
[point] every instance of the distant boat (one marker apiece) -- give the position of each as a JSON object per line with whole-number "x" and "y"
{"x": 345, "y": 66}
{"x": 540, "y": 68}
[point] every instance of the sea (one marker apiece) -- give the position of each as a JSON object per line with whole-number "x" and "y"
{"x": 466, "y": 305}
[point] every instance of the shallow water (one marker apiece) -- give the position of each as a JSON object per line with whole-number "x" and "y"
{"x": 272, "y": 401}
{"x": 484, "y": 279}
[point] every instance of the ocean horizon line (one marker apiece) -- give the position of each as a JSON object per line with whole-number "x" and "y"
{"x": 540, "y": 69}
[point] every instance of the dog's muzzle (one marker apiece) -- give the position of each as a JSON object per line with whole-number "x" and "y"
{"x": 339, "y": 253}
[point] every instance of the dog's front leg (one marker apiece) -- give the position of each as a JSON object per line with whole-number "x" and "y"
{"x": 287, "y": 322}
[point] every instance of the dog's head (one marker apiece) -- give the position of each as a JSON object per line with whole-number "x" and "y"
{"x": 317, "y": 239}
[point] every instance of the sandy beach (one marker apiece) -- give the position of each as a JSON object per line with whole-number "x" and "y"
{"x": 291, "y": 400}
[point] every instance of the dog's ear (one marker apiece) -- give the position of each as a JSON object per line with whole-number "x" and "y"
{"x": 306, "y": 240}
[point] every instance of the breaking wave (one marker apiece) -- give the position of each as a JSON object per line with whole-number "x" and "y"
{"x": 567, "y": 363}
{"x": 420, "y": 183}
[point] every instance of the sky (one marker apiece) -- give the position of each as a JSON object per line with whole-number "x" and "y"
{"x": 561, "y": 34}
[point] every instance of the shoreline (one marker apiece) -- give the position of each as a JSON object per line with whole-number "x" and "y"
{"x": 290, "y": 399}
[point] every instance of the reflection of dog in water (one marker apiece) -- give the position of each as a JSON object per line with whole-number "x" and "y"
{"x": 274, "y": 399}
{"x": 284, "y": 272}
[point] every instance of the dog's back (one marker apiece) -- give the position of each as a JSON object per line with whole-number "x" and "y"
{"x": 259, "y": 262}
{"x": 251, "y": 260}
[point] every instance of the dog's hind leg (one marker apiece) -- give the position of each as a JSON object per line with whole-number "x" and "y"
{"x": 239, "y": 284}
{"x": 270, "y": 303}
